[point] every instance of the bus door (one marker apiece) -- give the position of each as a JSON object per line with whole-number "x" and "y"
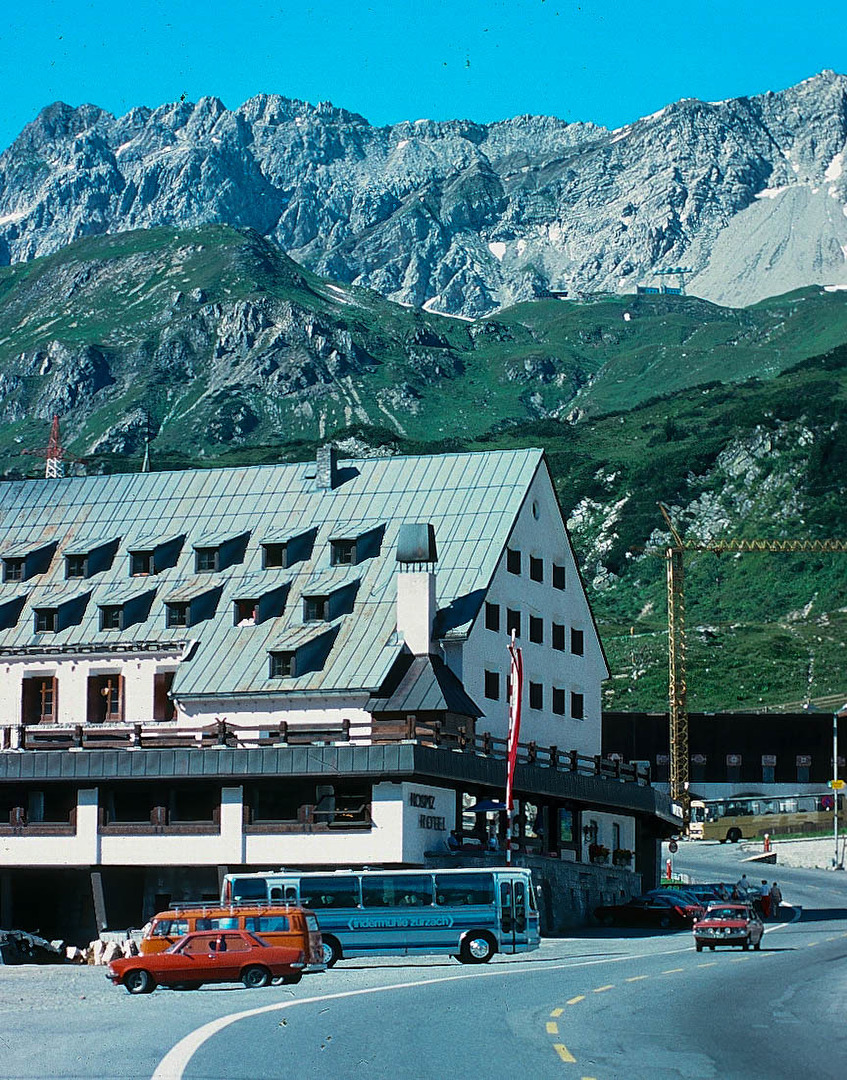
{"x": 513, "y": 914}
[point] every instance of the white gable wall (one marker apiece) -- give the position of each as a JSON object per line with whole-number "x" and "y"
{"x": 538, "y": 532}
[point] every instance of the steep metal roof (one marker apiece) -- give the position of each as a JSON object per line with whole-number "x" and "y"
{"x": 470, "y": 499}
{"x": 426, "y": 685}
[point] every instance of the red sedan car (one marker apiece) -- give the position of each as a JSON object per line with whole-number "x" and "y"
{"x": 728, "y": 924}
{"x": 210, "y": 956}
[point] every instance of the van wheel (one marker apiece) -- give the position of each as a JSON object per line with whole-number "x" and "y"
{"x": 139, "y": 981}
{"x": 255, "y": 977}
{"x": 477, "y": 947}
{"x": 331, "y": 951}
{"x": 698, "y": 946}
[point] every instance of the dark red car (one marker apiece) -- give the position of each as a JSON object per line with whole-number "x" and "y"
{"x": 728, "y": 924}
{"x": 210, "y": 956}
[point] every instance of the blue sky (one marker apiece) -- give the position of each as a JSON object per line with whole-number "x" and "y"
{"x": 601, "y": 61}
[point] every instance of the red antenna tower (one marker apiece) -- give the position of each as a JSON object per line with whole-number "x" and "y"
{"x": 55, "y": 454}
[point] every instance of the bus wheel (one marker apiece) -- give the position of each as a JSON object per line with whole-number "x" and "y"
{"x": 332, "y": 951}
{"x": 734, "y": 835}
{"x": 477, "y": 947}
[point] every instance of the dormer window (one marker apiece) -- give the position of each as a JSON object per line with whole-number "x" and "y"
{"x": 282, "y": 665}
{"x": 177, "y": 614}
{"x": 13, "y": 569}
{"x": 274, "y": 557}
{"x": 141, "y": 563}
{"x": 111, "y": 617}
{"x": 315, "y": 608}
{"x": 342, "y": 552}
{"x": 46, "y": 620}
{"x": 76, "y": 566}
{"x": 154, "y": 553}
{"x": 246, "y": 612}
{"x": 206, "y": 560}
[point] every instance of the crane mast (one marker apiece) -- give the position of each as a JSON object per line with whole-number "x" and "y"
{"x": 677, "y": 686}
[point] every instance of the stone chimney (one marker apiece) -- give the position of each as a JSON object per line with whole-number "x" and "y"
{"x": 416, "y": 610}
{"x": 326, "y": 475}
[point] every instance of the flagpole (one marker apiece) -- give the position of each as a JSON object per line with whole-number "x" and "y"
{"x": 515, "y": 695}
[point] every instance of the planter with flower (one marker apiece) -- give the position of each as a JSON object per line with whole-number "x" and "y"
{"x": 597, "y": 853}
{"x": 622, "y": 857}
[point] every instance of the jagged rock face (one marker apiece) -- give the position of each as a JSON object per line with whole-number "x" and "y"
{"x": 455, "y": 216}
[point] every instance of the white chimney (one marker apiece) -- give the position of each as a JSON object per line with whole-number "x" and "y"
{"x": 416, "y": 610}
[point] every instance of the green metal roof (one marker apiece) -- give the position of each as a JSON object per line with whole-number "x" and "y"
{"x": 472, "y": 501}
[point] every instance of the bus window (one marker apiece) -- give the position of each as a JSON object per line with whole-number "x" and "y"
{"x": 520, "y": 907}
{"x": 266, "y": 923}
{"x": 329, "y": 892}
{"x": 400, "y": 890}
{"x": 464, "y": 889}
{"x": 247, "y": 889}
{"x": 170, "y": 928}
{"x": 506, "y": 907}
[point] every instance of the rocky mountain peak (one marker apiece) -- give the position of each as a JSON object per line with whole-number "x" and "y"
{"x": 460, "y": 216}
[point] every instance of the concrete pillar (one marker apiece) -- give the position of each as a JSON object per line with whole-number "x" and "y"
{"x": 87, "y": 841}
{"x": 6, "y": 913}
{"x": 232, "y": 825}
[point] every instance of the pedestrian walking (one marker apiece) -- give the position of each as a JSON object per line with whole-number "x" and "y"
{"x": 765, "y": 900}
{"x": 776, "y": 899}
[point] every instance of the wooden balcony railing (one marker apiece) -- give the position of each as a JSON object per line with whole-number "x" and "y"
{"x": 157, "y": 735}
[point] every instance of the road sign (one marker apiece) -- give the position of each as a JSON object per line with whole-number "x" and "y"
{"x": 836, "y": 784}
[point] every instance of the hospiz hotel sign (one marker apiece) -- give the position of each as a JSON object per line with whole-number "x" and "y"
{"x": 427, "y": 817}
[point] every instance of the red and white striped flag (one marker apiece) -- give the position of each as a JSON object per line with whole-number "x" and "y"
{"x": 515, "y": 696}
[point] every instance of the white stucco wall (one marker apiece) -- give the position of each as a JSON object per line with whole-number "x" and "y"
{"x": 539, "y": 532}
{"x": 605, "y": 831}
{"x": 72, "y": 675}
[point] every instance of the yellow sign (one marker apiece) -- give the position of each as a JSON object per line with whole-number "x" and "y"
{"x": 837, "y": 784}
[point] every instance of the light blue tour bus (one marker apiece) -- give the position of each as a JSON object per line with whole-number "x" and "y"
{"x": 469, "y": 913}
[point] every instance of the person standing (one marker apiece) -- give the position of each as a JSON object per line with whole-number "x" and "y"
{"x": 765, "y": 900}
{"x": 776, "y": 899}
{"x": 742, "y": 888}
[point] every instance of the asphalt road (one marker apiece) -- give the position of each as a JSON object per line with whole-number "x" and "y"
{"x": 604, "y": 1005}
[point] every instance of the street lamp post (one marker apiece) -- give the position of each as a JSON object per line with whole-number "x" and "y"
{"x": 836, "y": 862}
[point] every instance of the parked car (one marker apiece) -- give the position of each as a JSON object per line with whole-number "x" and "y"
{"x": 682, "y": 896}
{"x": 653, "y": 910}
{"x": 728, "y": 924}
{"x": 277, "y": 924}
{"x": 210, "y": 956}
{"x": 710, "y": 892}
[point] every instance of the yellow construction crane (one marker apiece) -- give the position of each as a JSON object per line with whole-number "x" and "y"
{"x": 677, "y": 689}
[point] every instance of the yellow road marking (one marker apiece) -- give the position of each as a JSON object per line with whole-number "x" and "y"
{"x": 579, "y": 997}
{"x": 600, "y": 989}
{"x": 637, "y": 978}
{"x": 557, "y": 1012}
{"x": 711, "y": 963}
{"x": 812, "y": 944}
{"x": 739, "y": 959}
{"x": 672, "y": 971}
{"x": 564, "y": 1053}
{"x": 552, "y": 1027}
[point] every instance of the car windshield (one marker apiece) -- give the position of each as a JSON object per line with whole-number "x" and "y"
{"x": 726, "y": 913}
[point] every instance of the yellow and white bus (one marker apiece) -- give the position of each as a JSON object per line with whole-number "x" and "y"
{"x": 739, "y": 817}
